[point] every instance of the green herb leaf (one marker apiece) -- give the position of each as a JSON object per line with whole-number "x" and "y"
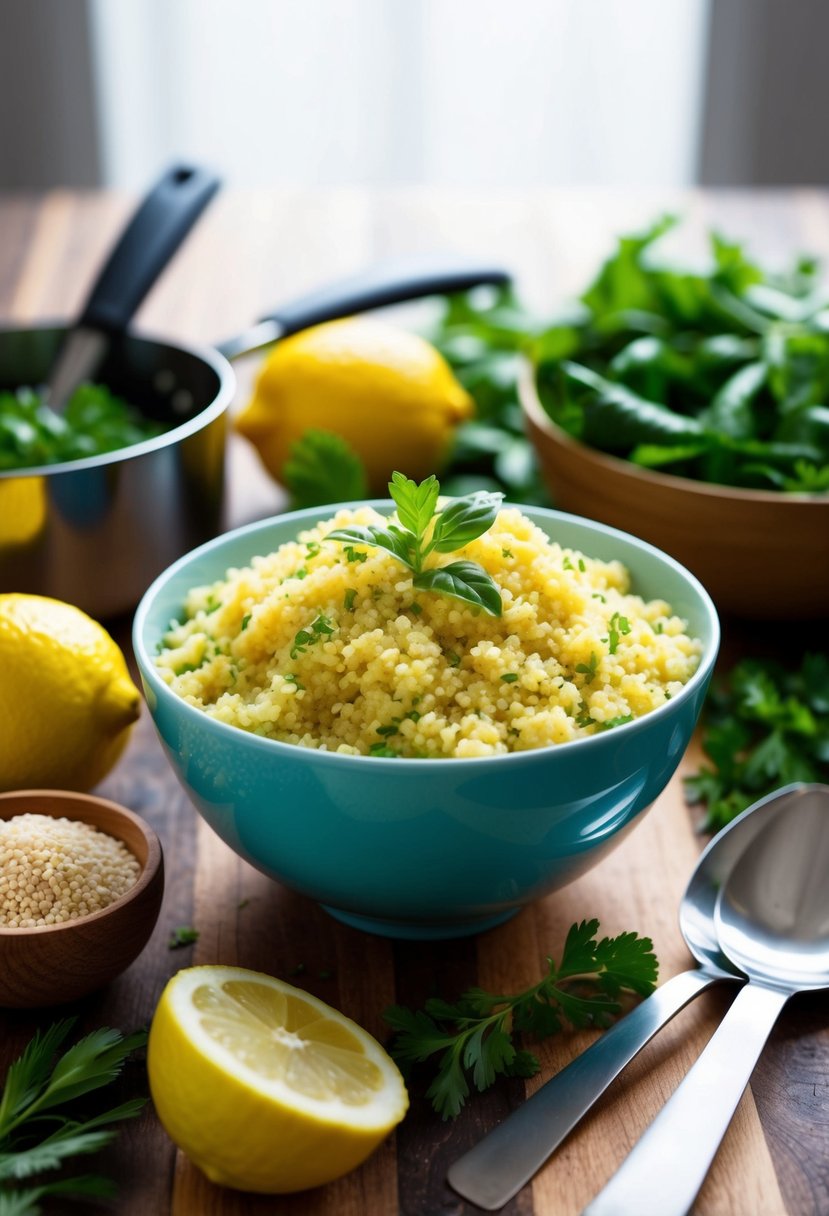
{"x": 464, "y": 520}
{"x": 465, "y": 581}
{"x": 323, "y": 468}
{"x": 390, "y": 539}
{"x": 184, "y": 935}
{"x": 764, "y": 727}
{"x": 415, "y": 503}
{"x": 32, "y": 1143}
{"x": 473, "y": 1038}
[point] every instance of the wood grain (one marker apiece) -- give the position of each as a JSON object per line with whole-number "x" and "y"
{"x": 250, "y": 252}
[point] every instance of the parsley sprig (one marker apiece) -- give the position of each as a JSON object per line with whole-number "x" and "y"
{"x": 765, "y": 727}
{"x": 424, "y": 530}
{"x": 474, "y": 1038}
{"x": 38, "y": 1134}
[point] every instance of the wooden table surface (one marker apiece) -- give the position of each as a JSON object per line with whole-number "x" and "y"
{"x": 252, "y": 251}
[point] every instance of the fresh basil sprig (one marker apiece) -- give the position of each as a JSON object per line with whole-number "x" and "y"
{"x": 461, "y": 521}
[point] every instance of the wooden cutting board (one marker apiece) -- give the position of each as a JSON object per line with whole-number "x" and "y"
{"x": 245, "y": 919}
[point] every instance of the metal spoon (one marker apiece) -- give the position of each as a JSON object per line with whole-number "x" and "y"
{"x": 500, "y": 1164}
{"x": 772, "y": 921}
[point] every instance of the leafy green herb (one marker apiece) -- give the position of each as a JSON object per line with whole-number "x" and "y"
{"x": 184, "y": 935}
{"x": 323, "y": 468}
{"x": 37, "y": 1131}
{"x": 582, "y": 566}
{"x": 94, "y": 421}
{"x": 319, "y": 628}
{"x": 312, "y": 548}
{"x": 619, "y": 627}
{"x": 349, "y": 598}
{"x": 509, "y": 677}
{"x": 388, "y": 731}
{"x": 764, "y": 727}
{"x": 453, "y": 658}
{"x": 212, "y": 604}
{"x": 507, "y": 553}
{"x": 292, "y": 679}
{"x": 589, "y": 670}
{"x": 610, "y": 723}
{"x": 567, "y": 564}
{"x": 720, "y": 374}
{"x": 416, "y": 608}
{"x": 423, "y": 531}
{"x": 353, "y": 555}
{"x": 381, "y": 749}
{"x": 245, "y": 622}
{"x": 474, "y": 1037}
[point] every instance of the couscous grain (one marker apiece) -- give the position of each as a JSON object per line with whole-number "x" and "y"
{"x": 55, "y": 870}
{"x": 330, "y": 646}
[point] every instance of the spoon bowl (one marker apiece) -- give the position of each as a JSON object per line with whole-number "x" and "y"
{"x": 772, "y": 917}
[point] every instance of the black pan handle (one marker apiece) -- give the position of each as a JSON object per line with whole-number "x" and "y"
{"x": 387, "y": 283}
{"x": 150, "y": 239}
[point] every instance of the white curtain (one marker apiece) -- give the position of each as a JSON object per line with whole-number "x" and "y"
{"x": 482, "y": 93}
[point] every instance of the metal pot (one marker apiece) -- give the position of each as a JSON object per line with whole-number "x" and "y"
{"x": 96, "y": 532}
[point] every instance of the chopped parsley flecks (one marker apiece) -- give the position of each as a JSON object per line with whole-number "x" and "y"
{"x": 589, "y": 670}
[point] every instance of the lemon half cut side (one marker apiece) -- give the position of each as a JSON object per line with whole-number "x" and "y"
{"x": 265, "y": 1087}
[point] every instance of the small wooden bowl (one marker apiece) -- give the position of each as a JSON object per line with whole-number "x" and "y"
{"x": 760, "y": 554}
{"x": 52, "y": 964}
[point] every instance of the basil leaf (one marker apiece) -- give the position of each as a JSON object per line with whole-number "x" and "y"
{"x": 464, "y": 520}
{"x": 465, "y": 581}
{"x": 415, "y": 503}
{"x": 393, "y": 540}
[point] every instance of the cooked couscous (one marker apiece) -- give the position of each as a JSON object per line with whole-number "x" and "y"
{"x": 329, "y": 645}
{"x": 55, "y": 870}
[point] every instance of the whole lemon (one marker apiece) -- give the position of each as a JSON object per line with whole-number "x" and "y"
{"x": 265, "y": 1087}
{"x": 386, "y": 391}
{"x": 66, "y": 699}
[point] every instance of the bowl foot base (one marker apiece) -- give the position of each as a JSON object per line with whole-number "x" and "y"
{"x": 420, "y": 931}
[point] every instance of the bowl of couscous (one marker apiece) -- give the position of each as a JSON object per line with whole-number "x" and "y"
{"x": 421, "y": 763}
{"x": 81, "y": 883}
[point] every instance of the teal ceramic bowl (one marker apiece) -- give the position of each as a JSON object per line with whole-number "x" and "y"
{"x": 423, "y": 848}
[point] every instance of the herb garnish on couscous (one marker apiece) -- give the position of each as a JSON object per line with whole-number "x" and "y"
{"x": 548, "y": 646}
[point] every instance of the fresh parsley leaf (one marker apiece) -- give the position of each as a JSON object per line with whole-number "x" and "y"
{"x": 182, "y": 936}
{"x": 349, "y": 598}
{"x": 509, "y": 677}
{"x": 589, "y": 670}
{"x": 323, "y": 468}
{"x": 763, "y": 727}
{"x": 474, "y": 1037}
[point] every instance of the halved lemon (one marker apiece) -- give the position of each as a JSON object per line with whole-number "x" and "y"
{"x": 265, "y": 1087}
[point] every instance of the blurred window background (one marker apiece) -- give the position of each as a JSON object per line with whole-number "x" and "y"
{"x": 487, "y": 93}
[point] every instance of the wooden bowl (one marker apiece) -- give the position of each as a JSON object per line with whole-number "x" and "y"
{"x": 52, "y": 964}
{"x": 760, "y": 554}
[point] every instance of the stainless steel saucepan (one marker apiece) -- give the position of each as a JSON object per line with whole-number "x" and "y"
{"x": 96, "y": 532}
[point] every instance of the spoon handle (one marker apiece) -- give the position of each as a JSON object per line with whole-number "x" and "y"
{"x": 666, "y": 1168}
{"x": 500, "y": 1164}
